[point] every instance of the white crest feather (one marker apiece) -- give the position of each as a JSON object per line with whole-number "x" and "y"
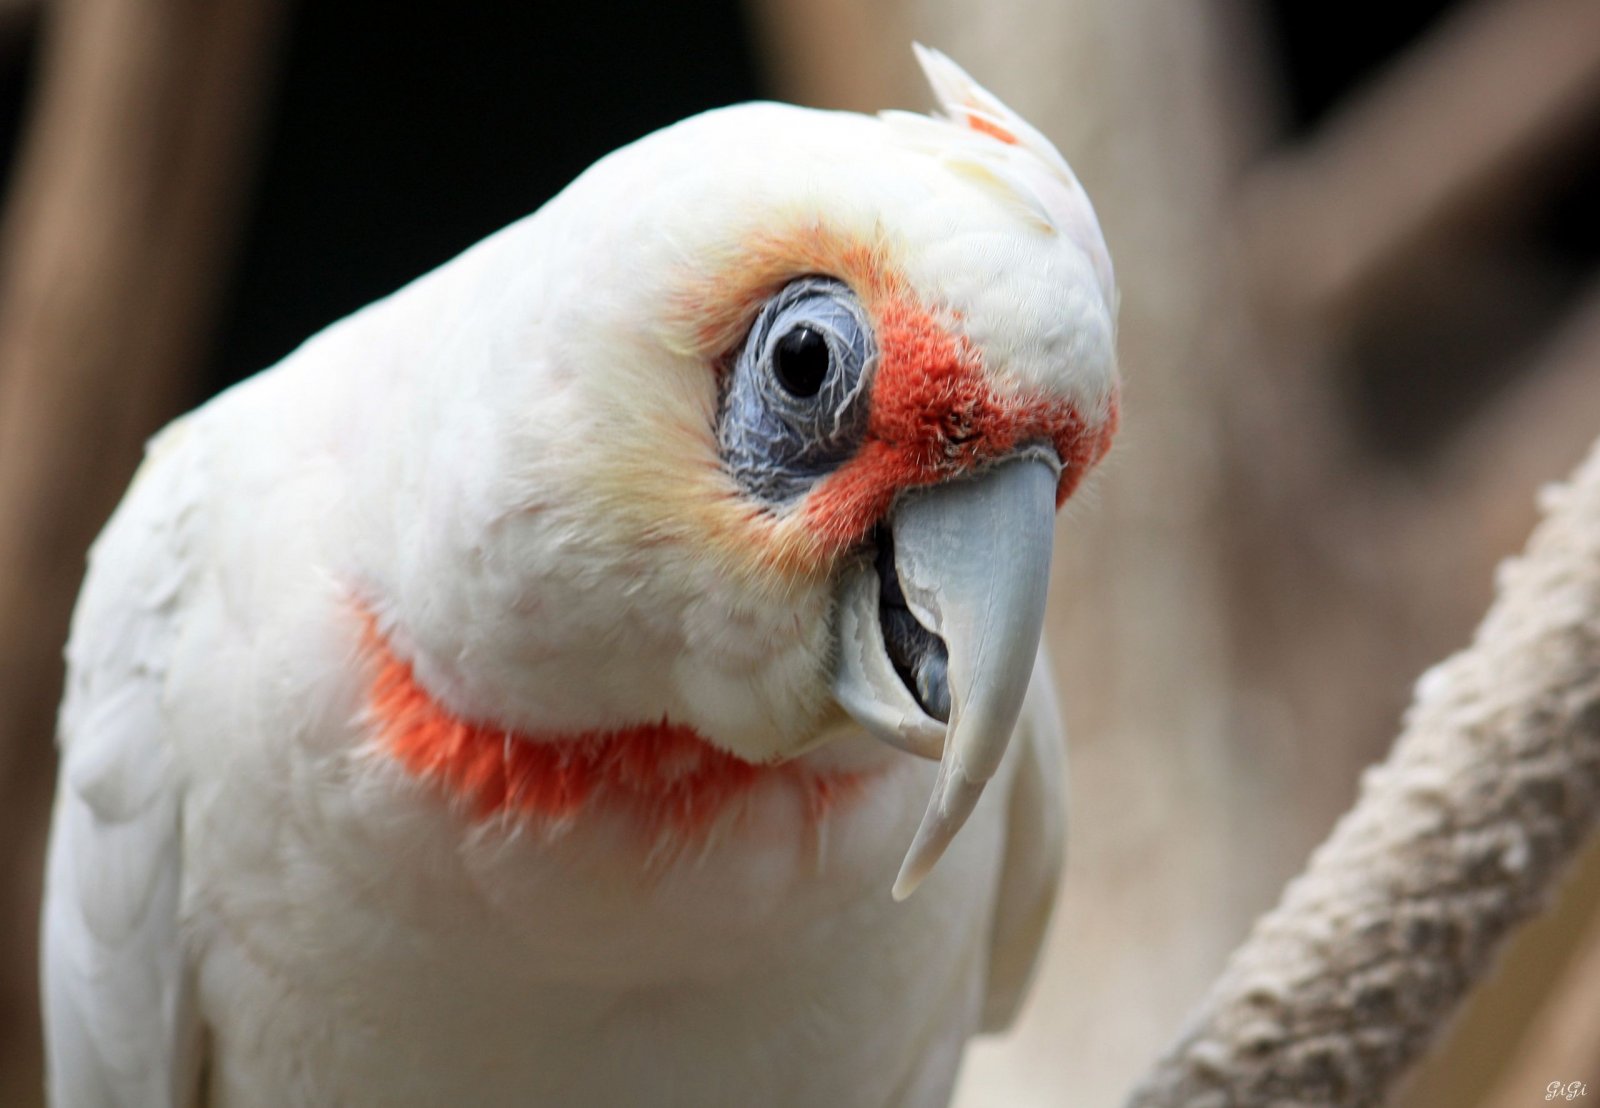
{"x": 968, "y": 102}
{"x": 984, "y": 140}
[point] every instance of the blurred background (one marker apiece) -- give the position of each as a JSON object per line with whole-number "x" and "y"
{"x": 1360, "y": 327}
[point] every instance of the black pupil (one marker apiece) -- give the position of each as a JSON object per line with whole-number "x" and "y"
{"x": 801, "y": 361}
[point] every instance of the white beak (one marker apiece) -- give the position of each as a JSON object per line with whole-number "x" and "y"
{"x": 972, "y": 564}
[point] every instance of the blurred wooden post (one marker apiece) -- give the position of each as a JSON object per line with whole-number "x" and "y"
{"x": 1562, "y": 1042}
{"x": 1450, "y": 136}
{"x": 112, "y": 252}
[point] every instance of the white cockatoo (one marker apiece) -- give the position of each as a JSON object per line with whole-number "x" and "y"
{"x": 482, "y": 706}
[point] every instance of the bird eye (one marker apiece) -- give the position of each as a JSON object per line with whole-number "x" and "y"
{"x": 800, "y": 359}
{"x": 795, "y": 402}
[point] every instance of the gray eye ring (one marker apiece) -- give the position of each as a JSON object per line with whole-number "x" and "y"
{"x": 780, "y": 426}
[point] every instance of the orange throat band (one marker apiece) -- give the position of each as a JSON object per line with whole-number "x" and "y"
{"x": 662, "y": 774}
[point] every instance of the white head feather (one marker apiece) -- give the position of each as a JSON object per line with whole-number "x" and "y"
{"x": 559, "y": 401}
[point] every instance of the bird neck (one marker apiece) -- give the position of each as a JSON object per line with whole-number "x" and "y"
{"x": 664, "y": 775}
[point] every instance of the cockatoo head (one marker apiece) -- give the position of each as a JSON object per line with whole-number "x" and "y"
{"x": 795, "y": 395}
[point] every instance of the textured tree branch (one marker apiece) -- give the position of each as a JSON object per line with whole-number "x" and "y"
{"x": 1457, "y": 838}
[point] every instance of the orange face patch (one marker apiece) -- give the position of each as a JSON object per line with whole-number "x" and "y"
{"x": 664, "y": 775}
{"x": 934, "y": 411}
{"x": 935, "y": 415}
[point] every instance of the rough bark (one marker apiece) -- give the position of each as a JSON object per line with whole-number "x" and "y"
{"x": 1457, "y": 838}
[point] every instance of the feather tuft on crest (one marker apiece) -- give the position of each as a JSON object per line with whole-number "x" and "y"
{"x": 983, "y": 140}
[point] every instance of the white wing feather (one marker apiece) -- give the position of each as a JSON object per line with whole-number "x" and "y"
{"x": 120, "y": 1024}
{"x": 1034, "y": 852}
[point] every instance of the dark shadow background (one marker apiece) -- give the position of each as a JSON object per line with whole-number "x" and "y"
{"x": 402, "y": 134}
